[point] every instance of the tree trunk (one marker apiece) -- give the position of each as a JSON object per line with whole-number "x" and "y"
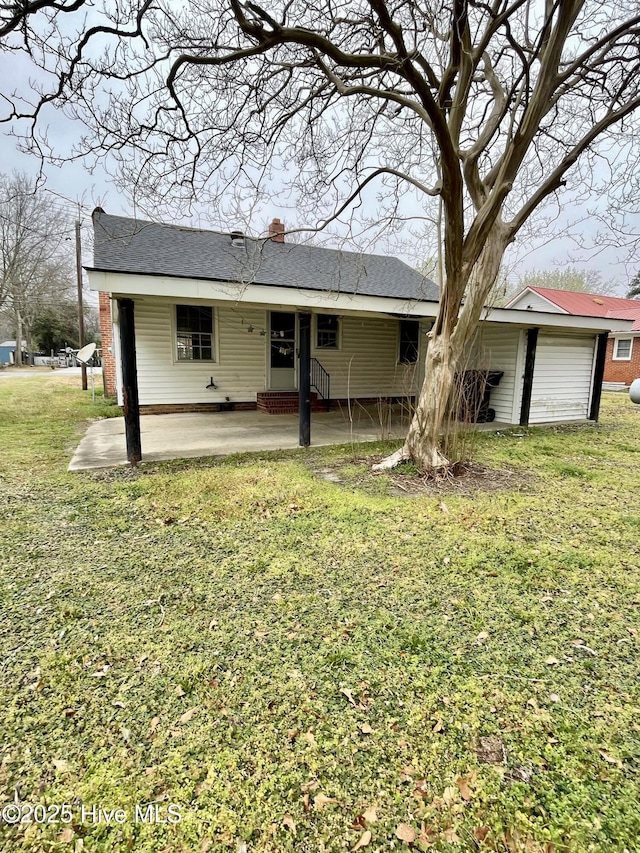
{"x": 423, "y": 439}
{"x": 422, "y": 443}
{"x": 28, "y": 336}
{"x": 18, "y": 351}
{"x": 455, "y": 327}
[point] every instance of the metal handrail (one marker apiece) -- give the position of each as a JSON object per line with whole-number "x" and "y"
{"x": 321, "y": 381}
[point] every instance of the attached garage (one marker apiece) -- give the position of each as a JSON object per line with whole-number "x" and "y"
{"x": 562, "y": 377}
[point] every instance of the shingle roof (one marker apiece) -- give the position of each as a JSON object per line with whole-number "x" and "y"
{"x": 590, "y": 304}
{"x": 148, "y": 248}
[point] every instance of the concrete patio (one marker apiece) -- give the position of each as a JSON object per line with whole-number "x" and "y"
{"x": 222, "y": 433}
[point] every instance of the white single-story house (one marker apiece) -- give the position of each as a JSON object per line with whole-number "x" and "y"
{"x": 195, "y": 319}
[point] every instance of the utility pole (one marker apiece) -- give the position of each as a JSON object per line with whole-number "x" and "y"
{"x": 80, "y": 309}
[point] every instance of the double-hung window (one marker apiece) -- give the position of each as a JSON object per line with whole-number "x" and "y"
{"x": 194, "y": 333}
{"x": 622, "y": 349}
{"x": 327, "y": 331}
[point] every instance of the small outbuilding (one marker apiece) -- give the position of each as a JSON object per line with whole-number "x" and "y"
{"x": 8, "y": 352}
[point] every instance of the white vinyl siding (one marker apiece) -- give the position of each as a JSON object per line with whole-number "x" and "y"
{"x": 534, "y": 302}
{"x": 562, "y": 377}
{"x": 366, "y": 364}
{"x": 499, "y": 351}
{"x": 239, "y": 372}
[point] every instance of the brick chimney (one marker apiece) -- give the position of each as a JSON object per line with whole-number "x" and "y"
{"x": 276, "y": 231}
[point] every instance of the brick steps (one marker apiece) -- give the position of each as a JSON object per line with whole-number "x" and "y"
{"x": 285, "y": 402}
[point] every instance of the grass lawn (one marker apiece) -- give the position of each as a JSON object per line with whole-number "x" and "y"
{"x": 306, "y": 665}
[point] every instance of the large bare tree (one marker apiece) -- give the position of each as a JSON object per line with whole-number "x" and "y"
{"x": 34, "y": 260}
{"x": 484, "y": 109}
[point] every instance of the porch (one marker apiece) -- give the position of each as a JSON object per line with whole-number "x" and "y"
{"x": 181, "y": 436}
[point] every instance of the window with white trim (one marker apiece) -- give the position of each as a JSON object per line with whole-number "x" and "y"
{"x": 194, "y": 333}
{"x": 327, "y": 331}
{"x": 622, "y": 349}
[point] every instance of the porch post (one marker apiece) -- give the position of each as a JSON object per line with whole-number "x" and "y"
{"x": 304, "y": 379}
{"x": 529, "y": 366}
{"x": 598, "y": 376}
{"x": 129, "y": 380}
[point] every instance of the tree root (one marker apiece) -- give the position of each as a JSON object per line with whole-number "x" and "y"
{"x": 392, "y": 461}
{"x": 436, "y": 465}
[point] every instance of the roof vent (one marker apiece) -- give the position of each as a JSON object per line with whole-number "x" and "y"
{"x": 237, "y": 238}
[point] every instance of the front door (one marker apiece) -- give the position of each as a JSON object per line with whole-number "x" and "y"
{"x": 282, "y": 358}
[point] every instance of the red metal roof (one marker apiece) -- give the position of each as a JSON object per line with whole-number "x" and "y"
{"x": 628, "y": 314}
{"x": 592, "y": 305}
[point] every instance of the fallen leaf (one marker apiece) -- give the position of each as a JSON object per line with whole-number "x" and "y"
{"x": 370, "y": 815}
{"x": 365, "y": 839}
{"x": 320, "y": 801}
{"x": 463, "y": 786}
{"x": 405, "y": 833}
{"x": 188, "y": 715}
{"x": 287, "y": 821}
{"x": 444, "y": 509}
{"x": 482, "y": 636}
{"x": 554, "y": 697}
{"x": 421, "y": 791}
{"x": 153, "y": 725}
{"x": 349, "y": 694}
{"x": 437, "y": 727}
{"x": 609, "y": 758}
{"x": 60, "y": 764}
{"x": 308, "y": 736}
{"x": 427, "y": 835}
{"x": 260, "y": 635}
{"x": 309, "y": 786}
{"x": 449, "y": 795}
{"x": 366, "y": 729}
{"x": 179, "y": 691}
{"x": 551, "y": 661}
{"x": 67, "y": 835}
{"x": 480, "y": 833}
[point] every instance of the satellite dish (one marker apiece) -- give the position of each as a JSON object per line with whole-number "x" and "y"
{"x": 86, "y": 353}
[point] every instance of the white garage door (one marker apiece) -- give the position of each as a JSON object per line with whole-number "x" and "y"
{"x": 562, "y": 378}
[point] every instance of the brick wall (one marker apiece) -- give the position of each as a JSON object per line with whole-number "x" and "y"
{"x": 106, "y": 335}
{"x": 622, "y": 371}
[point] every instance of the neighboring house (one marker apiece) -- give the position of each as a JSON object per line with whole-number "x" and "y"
{"x": 622, "y": 362}
{"x": 8, "y": 351}
{"x": 219, "y": 320}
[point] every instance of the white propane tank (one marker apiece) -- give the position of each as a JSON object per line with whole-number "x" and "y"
{"x": 634, "y": 391}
